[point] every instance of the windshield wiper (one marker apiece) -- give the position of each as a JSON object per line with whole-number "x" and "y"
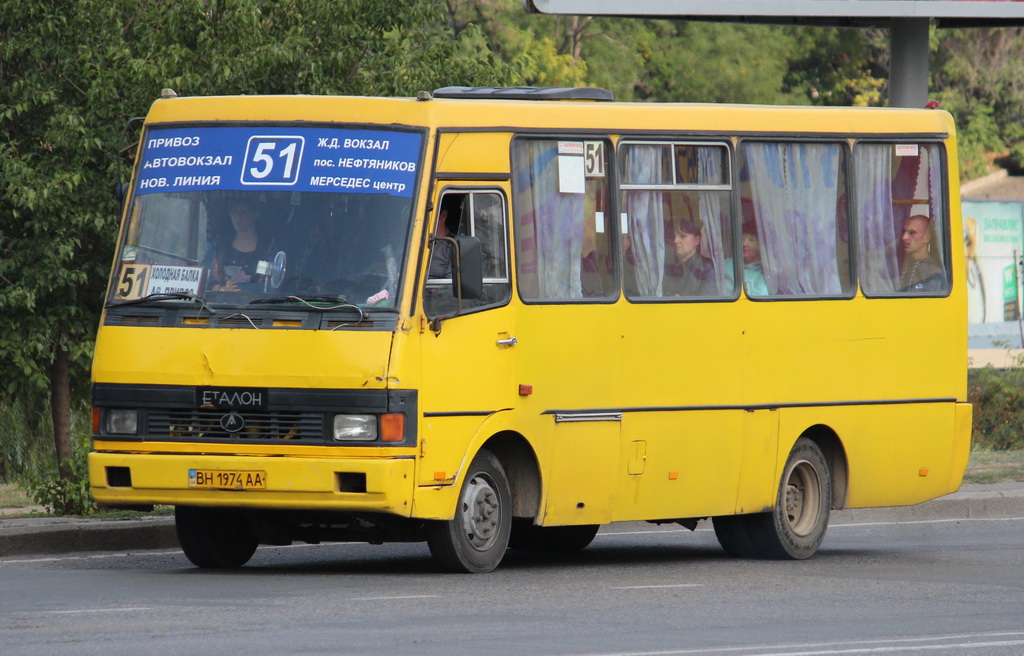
{"x": 164, "y": 296}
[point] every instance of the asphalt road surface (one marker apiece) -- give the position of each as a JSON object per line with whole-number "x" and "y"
{"x": 927, "y": 587}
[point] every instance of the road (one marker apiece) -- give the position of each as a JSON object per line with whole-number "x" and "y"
{"x": 924, "y": 587}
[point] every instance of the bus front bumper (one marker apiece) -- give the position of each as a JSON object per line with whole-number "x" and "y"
{"x": 382, "y": 485}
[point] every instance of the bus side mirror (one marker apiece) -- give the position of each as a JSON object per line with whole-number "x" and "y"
{"x": 468, "y": 274}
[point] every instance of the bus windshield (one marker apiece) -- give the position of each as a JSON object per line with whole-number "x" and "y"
{"x": 258, "y": 214}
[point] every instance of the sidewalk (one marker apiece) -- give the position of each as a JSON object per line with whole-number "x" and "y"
{"x": 22, "y": 536}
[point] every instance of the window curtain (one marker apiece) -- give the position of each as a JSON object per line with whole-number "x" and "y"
{"x": 709, "y": 166}
{"x": 795, "y": 194}
{"x": 880, "y": 267}
{"x": 935, "y": 204}
{"x": 550, "y": 225}
{"x": 646, "y": 212}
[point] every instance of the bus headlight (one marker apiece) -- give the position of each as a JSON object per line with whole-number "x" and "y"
{"x": 121, "y": 421}
{"x": 355, "y": 428}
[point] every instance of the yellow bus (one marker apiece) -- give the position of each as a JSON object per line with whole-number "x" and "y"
{"x": 494, "y": 318}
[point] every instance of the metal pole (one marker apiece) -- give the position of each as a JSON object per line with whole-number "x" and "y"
{"x": 908, "y": 62}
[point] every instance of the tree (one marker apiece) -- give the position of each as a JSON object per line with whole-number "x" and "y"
{"x": 979, "y": 78}
{"x": 72, "y": 72}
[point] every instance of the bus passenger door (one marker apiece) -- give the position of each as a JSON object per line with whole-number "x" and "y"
{"x": 469, "y": 362}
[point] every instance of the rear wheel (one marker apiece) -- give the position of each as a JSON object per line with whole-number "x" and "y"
{"x": 476, "y": 539}
{"x": 214, "y": 538}
{"x": 796, "y": 525}
{"x": 550, "y": 539}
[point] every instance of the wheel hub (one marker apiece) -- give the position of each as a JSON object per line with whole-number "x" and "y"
{"x": 802, "y": 498}
{"x": 481, "y": 513}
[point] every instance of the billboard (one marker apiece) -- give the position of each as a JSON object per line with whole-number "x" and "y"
{"x": 950, "y": 13}
{"x": 994, "y": 244}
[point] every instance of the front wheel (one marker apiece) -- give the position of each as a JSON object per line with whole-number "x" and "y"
{"x": 213, "y": 538}
{"x": 795, "y": 527}
{"x": 474, "y": 541}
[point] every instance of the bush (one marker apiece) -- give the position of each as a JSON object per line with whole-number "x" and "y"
{"x": 59, "y": 496}
{"x": 998, "y": 398}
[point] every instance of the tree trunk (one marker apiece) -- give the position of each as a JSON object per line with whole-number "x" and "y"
{"x": 60, "y": 410}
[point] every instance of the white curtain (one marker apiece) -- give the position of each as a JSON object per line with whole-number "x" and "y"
{"x": 551, "y": 225}
{"x": 709, "y": 163}
{"x": 795, "y": 192}
{"x": 879, "y": 261}
{"x": 646, "y": 212}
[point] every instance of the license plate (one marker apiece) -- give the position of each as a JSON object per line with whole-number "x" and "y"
{"x": 227, "y": 479}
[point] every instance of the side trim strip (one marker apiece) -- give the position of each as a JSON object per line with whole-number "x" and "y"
{"x": 587, "y": 416}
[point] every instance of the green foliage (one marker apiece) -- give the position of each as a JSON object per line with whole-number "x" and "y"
{"x": 998, "y": 398}
{"x": 25, "y": 438}
{"x": 978, "y": 76}
{"x": 65, "y": 496}
{"x": 838, "y": 67}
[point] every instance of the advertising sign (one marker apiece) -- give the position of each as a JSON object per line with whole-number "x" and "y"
{"x": 993, "y": 243}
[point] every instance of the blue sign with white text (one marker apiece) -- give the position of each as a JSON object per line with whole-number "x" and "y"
{"x": 279, "y": 159}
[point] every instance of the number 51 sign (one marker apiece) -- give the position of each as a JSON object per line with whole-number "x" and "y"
{"x": 272, "y": 160}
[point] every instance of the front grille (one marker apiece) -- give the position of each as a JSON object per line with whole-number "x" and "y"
{"x": 205, "y": 425}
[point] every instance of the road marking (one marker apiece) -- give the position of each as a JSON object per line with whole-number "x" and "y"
{"x": 883, "y": 646}
{"x": 92, "y": 610}
{"x": 393, "y": 598}
{"x": 648, "y": 587}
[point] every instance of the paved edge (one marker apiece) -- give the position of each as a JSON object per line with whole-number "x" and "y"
{"x": 85, "y": 535}
{"x": 59, "y": 535}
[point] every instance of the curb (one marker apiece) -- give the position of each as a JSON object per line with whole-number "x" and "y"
{"x": 51, "y": 536}
{"x": 971, "y": 502}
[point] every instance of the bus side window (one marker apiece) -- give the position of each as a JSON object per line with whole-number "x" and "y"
{"x": 902, "y": 219}
{"x": 480, "y": 214}
{"x": 795, "y": 236}
{"x": 563, "y": 228}
{"x": 677, "y": 211}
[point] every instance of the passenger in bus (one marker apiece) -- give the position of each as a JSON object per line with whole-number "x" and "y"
{"x": 921, "y": 270}
{"x": 691, "y": 274}
{"x": 754, "y": 282}
{"x": 239, "y": 249}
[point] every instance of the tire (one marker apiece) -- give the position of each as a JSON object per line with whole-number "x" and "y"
{"x": 733, "y": 533}
{"x": 550, "y": 539}
{"x": 214, "y": 539}
{"x": 474, "y": 541}
{"x": 795, "y": 527}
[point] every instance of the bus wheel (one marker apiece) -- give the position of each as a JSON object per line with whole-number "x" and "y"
{"x": 214, "y": 538}
{"x": 550, "y": 539}
{"x": 476, "y": 539}
{"x": 795, "y": 527}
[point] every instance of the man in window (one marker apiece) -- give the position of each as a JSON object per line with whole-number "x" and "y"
{"x": 921, "y": 271}
{"x": 448, "y": 219}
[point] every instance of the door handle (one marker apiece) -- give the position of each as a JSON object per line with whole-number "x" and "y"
{"x": 511, "y": 341}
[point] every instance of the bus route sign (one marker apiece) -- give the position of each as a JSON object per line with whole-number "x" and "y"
{"x": 179, "y": 159}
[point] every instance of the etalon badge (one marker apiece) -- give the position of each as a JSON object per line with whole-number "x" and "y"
{"x": 232, "y": 422}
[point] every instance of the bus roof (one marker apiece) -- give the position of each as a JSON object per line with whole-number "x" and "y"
{"x": 569, "y": 115}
